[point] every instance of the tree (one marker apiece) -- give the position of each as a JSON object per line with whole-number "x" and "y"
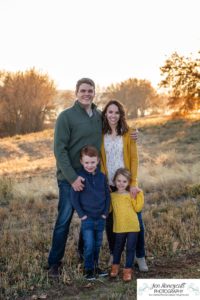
{"x": 25, "y": 98}
{"x": 182, "y": 78}
{"x": 66, "y": 98}
{"x": 135, "y": 94}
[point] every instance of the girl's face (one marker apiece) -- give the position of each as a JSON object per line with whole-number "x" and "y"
{"x": 121, "y": 183}
{"x": 112, "y": 114}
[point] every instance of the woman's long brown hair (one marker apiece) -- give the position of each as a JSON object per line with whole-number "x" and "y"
{"x": 122, "y": 126}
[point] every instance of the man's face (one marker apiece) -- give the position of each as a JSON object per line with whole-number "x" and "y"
{"x": 85, "y": 94}
{"x": 89, "y": 163}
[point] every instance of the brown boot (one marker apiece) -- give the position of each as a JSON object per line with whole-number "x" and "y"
{"x": 114, "y": 271}
{"x": 127, "y": 274}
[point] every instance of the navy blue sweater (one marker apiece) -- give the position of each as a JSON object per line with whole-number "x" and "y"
{"x": 94, "y": 200}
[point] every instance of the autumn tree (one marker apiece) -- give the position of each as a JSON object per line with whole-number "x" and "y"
{"x": 182, "y": 79}
{"x": 135, "y": 94}
{"x": 66, "y": 98}
{"x": 25, "y": 98}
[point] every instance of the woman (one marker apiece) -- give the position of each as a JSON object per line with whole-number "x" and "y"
{"x": 119, "y": 150}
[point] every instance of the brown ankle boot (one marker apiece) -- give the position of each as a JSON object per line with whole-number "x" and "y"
{"x": 114, "y": 271}
{"x": 127, "y": 274}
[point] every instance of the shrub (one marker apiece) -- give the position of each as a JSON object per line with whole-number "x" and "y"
{"x": 6, "y": 191}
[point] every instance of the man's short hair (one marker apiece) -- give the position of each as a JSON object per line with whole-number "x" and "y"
{"x": 84, "y": 80}
{"x": 89, "y": 151}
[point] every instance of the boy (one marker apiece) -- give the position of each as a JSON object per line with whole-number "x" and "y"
{"x": 92, "y": 206}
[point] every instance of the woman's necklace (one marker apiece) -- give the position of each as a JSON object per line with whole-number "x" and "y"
{"x": 113, "y": 134}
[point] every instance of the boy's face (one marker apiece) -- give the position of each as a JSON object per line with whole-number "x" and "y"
{"x": 89, "y": 163}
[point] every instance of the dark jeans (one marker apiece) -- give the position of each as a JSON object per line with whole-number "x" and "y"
{"x": 92, "y": 232}
{"x": 109, "y": 232}
{"x": 130, "y": 239}
{"x": 140, "y": 247}
{"x": 61, "y": 229}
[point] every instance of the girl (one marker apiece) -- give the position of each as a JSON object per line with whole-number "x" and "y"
{"x": 118, "y": 151}
{"x": 125, "y": 222}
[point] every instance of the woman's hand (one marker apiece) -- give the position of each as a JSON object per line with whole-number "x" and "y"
{"x": 134, "y": 134}
{"x": 134, "y": 190}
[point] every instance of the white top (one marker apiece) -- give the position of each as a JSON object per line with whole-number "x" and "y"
{"x": 114, "y": 155}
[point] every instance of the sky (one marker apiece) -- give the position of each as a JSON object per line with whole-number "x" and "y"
{"x": 106, "y": 40}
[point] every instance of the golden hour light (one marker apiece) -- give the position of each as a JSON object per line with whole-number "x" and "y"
{"x": 109, "y": 41}
{"x": 99, "y": 149}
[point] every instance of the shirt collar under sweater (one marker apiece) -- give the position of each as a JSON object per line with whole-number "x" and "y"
{"x": 80, "y": 107}
{"x": 88, "y": 174}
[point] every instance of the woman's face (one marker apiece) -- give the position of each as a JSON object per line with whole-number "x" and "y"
{"x": 112, "y": 115}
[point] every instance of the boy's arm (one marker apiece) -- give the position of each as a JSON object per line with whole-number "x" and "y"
{"x": 107, "y": 197}
{"x": 75, "y": 200}
{"x": 138, "y": 203}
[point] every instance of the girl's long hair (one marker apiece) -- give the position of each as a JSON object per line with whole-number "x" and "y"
{"x": 122, "y": 126}
{"x": 126, "y": 173}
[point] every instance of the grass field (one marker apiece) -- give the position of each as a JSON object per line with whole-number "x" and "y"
{"x": 169, "y": 174}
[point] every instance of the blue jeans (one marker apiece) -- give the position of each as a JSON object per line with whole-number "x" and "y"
{"x": 130, "y": 239}
{"x": 140, "y": 247}
{"x": 61, "y": 229}
{"x": 92, "y": 232}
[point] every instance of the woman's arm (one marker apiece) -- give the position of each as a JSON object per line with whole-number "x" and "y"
{"x": 133, "y": 156}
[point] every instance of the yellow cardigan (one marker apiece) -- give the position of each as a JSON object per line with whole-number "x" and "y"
{"x": 124, "y": 212}
{"x": 130, "y": 157}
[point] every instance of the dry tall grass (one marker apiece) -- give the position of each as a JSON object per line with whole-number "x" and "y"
{"x": 169, "y": 175}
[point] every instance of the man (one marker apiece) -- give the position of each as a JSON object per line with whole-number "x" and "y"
{"x": 75, "y": 128}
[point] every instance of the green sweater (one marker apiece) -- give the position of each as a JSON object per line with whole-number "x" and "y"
{"x": 75, "y": 129}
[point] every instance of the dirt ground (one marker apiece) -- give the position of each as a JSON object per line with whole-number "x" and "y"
{"x": 185, "y": 265}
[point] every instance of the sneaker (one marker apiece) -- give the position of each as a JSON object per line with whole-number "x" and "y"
{"x": 89, "y": 275}
{"x": 53, "y": 271}
{"x": 142, "y": 265}
{"x": 101, "y": 273}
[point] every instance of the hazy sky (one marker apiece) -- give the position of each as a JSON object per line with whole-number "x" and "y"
{"x": 107, "y": 40}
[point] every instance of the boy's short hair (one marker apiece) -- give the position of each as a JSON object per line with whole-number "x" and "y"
{"x": 84, "y": 80}
{"x": 90, "y": 151}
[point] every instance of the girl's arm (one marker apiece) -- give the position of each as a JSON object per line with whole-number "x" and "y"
{"x": 138, "y": 203}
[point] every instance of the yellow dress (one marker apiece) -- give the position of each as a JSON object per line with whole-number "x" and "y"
{"x": 125, "y": 211}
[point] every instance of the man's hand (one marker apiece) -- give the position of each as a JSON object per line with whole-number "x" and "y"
{"x": 134, "y": 190}
{"x": 134, "y": 134}
{"x": 78, "y": 184}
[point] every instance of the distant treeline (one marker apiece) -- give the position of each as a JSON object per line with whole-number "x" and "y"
{"x": 28, "y": 99}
